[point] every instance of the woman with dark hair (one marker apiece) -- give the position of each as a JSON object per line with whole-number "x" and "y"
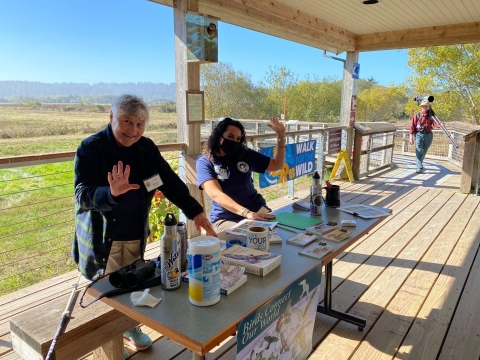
{"x": 225, "y": 173}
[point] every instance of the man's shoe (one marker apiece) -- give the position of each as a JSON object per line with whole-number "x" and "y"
{"x": 419, "y": 171}
{"x": 137, "y": 339}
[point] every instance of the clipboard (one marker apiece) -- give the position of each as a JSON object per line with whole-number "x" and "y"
{"x": 296, "y": 221}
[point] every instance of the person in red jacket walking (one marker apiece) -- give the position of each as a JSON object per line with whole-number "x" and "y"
{"x": 421, "y": 130}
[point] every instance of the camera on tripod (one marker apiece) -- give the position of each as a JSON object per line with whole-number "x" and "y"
{"x": 132, "y": 275}
{"x": 419, "y": 99}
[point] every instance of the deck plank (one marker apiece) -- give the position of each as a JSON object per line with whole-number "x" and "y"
{"x": 361, "y": 293}
{"x": 463, "y": 338}
{"x": 425, "y": 337}
{"x": 392, "y": 326}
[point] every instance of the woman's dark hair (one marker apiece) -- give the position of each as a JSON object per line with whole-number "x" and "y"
{"x": 212, "y": 146}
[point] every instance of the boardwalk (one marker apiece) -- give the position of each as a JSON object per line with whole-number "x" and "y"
{"x": 414, "y": 277}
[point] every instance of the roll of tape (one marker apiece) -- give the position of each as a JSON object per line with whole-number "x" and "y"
{"x": 235, "y": 242}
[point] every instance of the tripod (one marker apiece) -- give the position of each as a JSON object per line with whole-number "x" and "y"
{"x": 434, "y": 117}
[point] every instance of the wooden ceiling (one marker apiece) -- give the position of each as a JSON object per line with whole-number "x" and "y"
{"x": 349, "y": 25}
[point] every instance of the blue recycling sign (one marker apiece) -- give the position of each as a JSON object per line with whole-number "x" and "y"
{"x": 356, "y": 71}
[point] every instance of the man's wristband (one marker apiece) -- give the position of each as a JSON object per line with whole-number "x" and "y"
{"x": 244, "y": 212}
{"x": 281, "y": 139}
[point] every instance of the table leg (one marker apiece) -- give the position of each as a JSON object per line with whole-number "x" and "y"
{"x": 113, "y": 350}
{"x": 197, "y": 357}
{"x": 327, "y": 301}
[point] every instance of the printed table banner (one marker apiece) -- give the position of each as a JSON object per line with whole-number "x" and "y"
{"x": 299, "y": 160}
{"x": 283, "y": 327}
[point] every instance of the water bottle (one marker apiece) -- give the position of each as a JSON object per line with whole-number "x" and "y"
{"x": 170, "y": 253}
{"x": 182, "y": 232}
{"x": 316, "y": 195}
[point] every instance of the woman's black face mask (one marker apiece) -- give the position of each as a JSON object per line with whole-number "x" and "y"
{"x": 230, "y": 147}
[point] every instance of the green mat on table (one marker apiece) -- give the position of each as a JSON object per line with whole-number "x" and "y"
{"x": 296, "y": 221}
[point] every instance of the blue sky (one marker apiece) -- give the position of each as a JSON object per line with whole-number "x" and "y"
{"x": 93, "y": 41}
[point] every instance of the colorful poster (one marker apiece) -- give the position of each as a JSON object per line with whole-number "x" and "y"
{"x": 202, "y": 38}
{"x": 283, "y": 327}
{"x": 299, "y": 161}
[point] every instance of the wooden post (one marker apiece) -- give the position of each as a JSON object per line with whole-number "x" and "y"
{"x": 347, "y": 91}
{"x": 357, "y": 155}
{"x": 187, "y": 78}
{"x": 469, "y": 176}
{"x": 113, "y": 350}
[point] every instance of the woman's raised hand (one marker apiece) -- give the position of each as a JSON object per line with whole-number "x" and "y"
{"x": 277, "y": 126}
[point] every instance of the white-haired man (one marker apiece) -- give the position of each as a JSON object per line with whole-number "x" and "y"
{"x": 117, "y": 171}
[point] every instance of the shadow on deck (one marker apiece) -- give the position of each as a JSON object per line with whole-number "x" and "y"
{"x": 414, "y": 277}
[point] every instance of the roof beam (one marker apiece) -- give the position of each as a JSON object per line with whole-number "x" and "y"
{"x": 279, "y": 20}
{"x": 245, "y": 21}
{"x": 421, "y": 37}
{"x": 301, "y": 18}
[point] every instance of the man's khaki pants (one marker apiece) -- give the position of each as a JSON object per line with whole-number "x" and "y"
{"x": 122, "y": 254}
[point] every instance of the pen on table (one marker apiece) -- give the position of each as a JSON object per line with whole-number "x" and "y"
{"x": 287, "y": 228}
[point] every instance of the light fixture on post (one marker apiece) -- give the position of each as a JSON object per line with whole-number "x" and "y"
{"x": 370, "y": 2}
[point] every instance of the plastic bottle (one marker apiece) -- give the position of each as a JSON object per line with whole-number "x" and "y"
{"x": 170, "y": 253}
{"x": 182, "y": 231}
{"x": 316, "y": 195}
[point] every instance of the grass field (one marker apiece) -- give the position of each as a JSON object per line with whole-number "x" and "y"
{"x": 25, "y": 130}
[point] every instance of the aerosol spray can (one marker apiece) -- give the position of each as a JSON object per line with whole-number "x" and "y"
{"x": 316, "y": 195}
{"x": 182, "y": 231}
{"x": 170, "y": 252}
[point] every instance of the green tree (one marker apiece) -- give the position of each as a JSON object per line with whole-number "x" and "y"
{"x": 380, "y": 103}
{"x": 315, "y": 100}
{"x": 279, "y": 84}
{"x": 230, "y": 93}
{"x": 450, "y": 73}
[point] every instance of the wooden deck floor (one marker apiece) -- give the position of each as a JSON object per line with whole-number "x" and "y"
{"x": 414, "y": 277}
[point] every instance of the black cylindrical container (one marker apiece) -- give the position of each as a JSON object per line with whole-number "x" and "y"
{"x": 182, "y": 231}
{"x": 333, "y": 196}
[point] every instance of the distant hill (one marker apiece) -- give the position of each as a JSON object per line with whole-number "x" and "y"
{"x": 101, "y": 93}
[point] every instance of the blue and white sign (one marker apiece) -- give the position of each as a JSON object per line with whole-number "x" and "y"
{"x": 356, "y": 71}
{"x": 299, "y": 161}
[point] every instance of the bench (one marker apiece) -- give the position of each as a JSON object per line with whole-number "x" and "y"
{"x": 97, "y": 328}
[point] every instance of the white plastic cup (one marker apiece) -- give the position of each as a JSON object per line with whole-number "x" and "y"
{"x": 204, "y": 270}
{"x": 257, "y": 238}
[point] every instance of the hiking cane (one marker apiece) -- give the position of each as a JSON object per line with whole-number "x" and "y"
{"x": 63, "y": 321}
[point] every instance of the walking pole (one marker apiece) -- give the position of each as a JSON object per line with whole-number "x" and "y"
{"x": 63, "y": 321}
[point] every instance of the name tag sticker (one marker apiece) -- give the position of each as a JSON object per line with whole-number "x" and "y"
{"x": 153, "y": 182}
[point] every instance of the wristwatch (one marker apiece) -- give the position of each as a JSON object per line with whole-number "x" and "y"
{"x": 244, "y": 212}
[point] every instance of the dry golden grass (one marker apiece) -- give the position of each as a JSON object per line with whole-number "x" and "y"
{"x": 26, "y": 130}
